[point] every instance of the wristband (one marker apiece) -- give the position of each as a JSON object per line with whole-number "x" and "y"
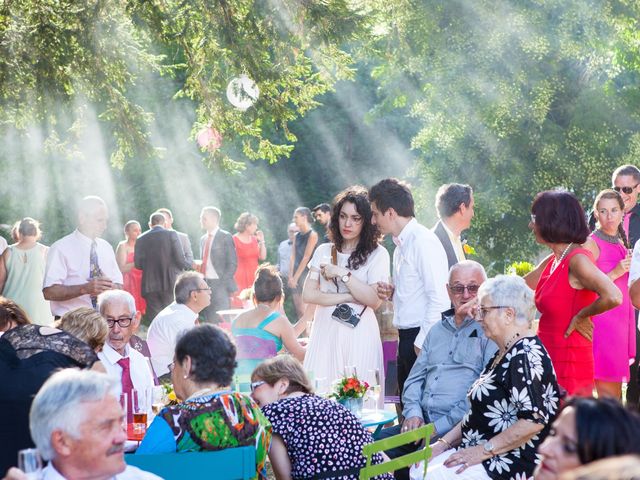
{"x": 441, "y": 439}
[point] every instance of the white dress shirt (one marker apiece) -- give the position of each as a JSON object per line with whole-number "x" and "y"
{"x": 163, "y": 334}
{"x": 210, "y": 272}
{"x": 456, "y": 243}
{"x": 141, "y": 375}
{"x": 420, "y": 275}
{"x": 68, "y": 264}
{"x": 130, "y": 473}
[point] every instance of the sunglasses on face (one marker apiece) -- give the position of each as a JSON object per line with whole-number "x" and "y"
{"x": 255, "y": 385}
{"x": 459, "y": 289}
{"x": 627, "y": 190}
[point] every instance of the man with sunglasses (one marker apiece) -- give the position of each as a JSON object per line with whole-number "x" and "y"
{"x": 452, "y": 357}
{"x": 120, "y": 360}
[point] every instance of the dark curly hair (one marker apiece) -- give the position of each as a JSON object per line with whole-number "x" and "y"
{"x": 213, "y": 354}
{"x": 369, "y": 236}
{"x": 267, "y": 285}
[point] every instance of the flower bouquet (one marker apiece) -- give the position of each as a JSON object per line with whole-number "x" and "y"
{"x": 350, "y": 392}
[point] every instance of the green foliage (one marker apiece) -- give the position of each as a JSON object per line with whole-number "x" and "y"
{"x": 58, "y": 55}
{"x": 513, "y": 97}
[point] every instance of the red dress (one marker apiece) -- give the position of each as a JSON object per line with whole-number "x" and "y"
{"x": 248, "y": 256}
{"x": 558, "y": 302}
{"x": 132, "y": 283}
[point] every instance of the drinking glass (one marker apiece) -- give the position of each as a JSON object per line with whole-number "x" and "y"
{"x": 387, "y": 310}
{"x": 140, "y": 405}
{"x": 124, "y": 403}
{"x": 375, "y": 388}
{"x": 30, "y": 462}
{"x": 157, "y": 399}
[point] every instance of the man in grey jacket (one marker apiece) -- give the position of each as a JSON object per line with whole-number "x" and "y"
{"x": 453, "y": 355}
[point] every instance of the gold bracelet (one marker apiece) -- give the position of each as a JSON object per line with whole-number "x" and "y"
{"x": 441, "y": 439}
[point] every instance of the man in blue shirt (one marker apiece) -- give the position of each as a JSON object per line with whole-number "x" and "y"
{"x": 453, "y": 355}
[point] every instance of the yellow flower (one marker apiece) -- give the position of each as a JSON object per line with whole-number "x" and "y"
{"x": 172, "y": 396}
{"x": 468, "y": 249}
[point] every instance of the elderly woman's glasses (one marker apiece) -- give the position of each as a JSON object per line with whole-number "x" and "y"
{"x": 459, "y": 289}
{"x": 482, "y": 311}
{"x": 122, "y": 322}
{"x": 256, "y": 385}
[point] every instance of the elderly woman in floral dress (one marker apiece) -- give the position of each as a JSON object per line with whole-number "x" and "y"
{"x": 512, "y": 403}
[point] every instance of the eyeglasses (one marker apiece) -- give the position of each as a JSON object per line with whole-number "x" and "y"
{"x": 208, "y": 289}
{"x": 459, "y": 289}
{"x": 482, "y": 311}
{"x": 122, "y": 322}
{"x": 255, "y": 385}
{"x": 627, "y": 190}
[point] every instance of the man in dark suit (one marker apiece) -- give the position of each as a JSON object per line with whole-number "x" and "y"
{"x": 219, "y": 262}
{"x": 454, "y": 202}
{"x": 160, "y": 257}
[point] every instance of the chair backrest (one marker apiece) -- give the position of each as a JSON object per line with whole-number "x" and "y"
{"x": 229, "y": 464}
{"x": 254, "y": 348}
{"x": 423, "y": 454}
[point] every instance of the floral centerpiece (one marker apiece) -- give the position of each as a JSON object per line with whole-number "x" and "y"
{"x": 350, "y": 392}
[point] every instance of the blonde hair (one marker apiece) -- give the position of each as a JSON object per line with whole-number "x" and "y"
{"x": 283, "y": 366}
{"x": 87, "y": 325}
{"x": 244, "y": 220}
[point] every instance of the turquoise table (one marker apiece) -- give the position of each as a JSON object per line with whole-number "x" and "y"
{"x": 376, "y": 418}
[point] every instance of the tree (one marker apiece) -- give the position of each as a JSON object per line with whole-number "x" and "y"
{"x": 513, "y": 97}
{"x": 59, "y": 56}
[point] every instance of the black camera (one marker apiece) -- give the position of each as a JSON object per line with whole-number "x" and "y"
{"x": 344, "y": 314}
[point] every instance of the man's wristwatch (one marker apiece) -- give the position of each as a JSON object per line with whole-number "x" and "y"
{"x": 346, "y": 278}
{"x": 489, "y": 448}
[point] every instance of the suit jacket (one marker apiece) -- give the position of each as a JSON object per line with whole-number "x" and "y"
{"x": 159, "y": 255}
{"x": 634, "y": 224}
{"x": 223, "y": 258}
{"x": 443, "y": 236}
{"x": 186, "y": 246}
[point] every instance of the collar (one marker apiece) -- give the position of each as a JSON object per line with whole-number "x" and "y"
{"x": 83, "y": 238}
{"x": 181, "y": 306}
{"x": 156, "y": 227}
{"x": 448, "y": 319}
{"x": 112, "y": 356}
{"x": 213, "y": 232}
{"x": 452, "y": 236}
{"x": 406, "y": 232}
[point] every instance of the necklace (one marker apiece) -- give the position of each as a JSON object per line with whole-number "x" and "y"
{"x": 507, "y": 346}
{"x": 558, "y": 261}
{"x": 615, "y": 239}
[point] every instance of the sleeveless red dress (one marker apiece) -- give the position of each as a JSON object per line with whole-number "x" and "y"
{"x": 248, "y": 257}
{"x": 132, "y": 283}
{"x": 558, "y": 302}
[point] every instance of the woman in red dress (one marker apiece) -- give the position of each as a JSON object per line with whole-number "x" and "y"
{"x": 570, "y": 289}
{"x": 250, "y": 249}
{"x": 132, "y": 277}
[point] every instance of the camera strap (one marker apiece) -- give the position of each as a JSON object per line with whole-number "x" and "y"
{"x": 334, "y": 261}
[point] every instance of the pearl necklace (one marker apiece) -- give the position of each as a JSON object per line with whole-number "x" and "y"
{"x": 558, "y": 261}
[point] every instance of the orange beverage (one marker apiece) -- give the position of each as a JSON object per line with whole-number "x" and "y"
{"x": 140, "y": 417}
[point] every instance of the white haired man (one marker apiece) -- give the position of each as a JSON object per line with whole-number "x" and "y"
{"x": 76, "y": 423}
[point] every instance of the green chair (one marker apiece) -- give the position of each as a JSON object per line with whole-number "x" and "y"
{"x": 237, "y": 463}
{"x": 422, "y": 433}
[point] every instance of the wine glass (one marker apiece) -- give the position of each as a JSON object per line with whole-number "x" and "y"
{"x": 388, "y": 285}
{"x": 375, "y": 388}
{"x": 30, "y": 462}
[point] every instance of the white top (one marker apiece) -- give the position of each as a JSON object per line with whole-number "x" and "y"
{"x": 3, "y": 245}
{"x": 634, "y": 269}
{"x": 164, "y": 331}
{"x": 141, "y": 375}
{"x": 210, "y": 272}
{"x": 420, "y": 275}
{"x": 68, "y": 264}
{"x": 130, "y": 473}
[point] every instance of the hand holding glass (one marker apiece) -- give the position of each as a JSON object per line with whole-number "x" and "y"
{"x": 30, "y": 462}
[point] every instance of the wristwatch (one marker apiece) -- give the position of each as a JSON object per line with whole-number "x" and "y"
{"x": 346, "y": 278}
{"x": 489, "y": 448}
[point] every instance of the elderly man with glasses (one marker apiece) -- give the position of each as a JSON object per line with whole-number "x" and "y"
{"x": 126, "y": 364}
{"x": 192, "y": 295}
{"x": 452, "y": 356}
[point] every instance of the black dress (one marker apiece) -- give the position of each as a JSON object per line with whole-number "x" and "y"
{"x": 29, "y": 354}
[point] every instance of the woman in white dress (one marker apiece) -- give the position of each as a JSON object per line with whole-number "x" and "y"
{"x": 342, "y": 273}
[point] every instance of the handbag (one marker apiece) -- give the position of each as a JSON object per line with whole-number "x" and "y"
{"x": 343, "y": 313}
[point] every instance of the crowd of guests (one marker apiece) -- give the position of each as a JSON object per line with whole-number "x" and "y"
{"x": 508, "y": 397}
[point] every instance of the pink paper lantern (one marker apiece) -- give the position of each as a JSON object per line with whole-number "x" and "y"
{"x": 209, "y": 139}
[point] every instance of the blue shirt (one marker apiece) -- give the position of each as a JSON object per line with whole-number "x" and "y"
{"x": 450, "y": 361}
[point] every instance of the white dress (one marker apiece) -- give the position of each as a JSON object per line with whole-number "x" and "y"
{"x": 332, "y": 345}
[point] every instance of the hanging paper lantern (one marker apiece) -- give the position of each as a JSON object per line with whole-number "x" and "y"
{"x": 242, "y": 92}
{"x": 209, "y": 139}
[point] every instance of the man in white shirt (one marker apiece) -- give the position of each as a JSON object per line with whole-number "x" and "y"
{"x": 454, "y": 203}
{"x": 76, "y": 424}
{"x": 420, "y": 270}
{"x": 284, "y": 252}
{"x": 81, "y": 265}
{"x": 192, "y": 295}
{"x": 126, "y": 364}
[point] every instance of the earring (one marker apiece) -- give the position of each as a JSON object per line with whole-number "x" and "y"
{"x": 185, "y": 376}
